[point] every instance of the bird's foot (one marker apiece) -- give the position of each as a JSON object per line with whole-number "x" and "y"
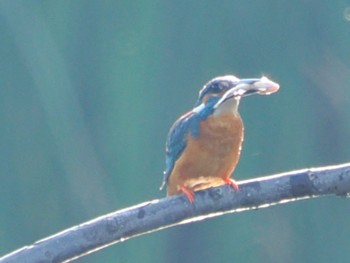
{"x": 188, "y": 192}
{"x": 231, "y": 182}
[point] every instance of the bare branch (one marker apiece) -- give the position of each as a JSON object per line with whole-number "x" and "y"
{"x": 159, "y": 214}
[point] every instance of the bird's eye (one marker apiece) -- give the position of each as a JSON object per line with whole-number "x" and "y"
{"x": 214, "y": 89}
{"x": 219, "y": 87}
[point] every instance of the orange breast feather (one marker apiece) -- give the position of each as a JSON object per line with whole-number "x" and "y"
{"x": 211, "y": 158}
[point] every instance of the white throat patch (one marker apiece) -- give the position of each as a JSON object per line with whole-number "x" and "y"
{"x": 199, "y": 108}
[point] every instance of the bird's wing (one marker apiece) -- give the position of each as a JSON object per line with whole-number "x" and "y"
{"x": 177, "y": 140}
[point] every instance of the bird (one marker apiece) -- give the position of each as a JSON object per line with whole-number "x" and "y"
{"x": 203, "y": 146}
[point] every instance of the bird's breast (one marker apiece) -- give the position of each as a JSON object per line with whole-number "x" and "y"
{"x": 221, "y": 135}
{"x": 210, "y": 157}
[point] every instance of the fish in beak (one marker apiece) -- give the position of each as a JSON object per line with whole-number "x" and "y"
{"x": 246, "y": 87}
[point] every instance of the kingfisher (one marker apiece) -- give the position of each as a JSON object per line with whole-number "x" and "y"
{"x": 204, "y": 145}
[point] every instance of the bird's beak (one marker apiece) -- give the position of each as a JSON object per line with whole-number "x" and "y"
{"x": 246, "y": 87}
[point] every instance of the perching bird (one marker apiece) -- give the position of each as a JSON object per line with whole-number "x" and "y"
{"x": 204, "y": 145}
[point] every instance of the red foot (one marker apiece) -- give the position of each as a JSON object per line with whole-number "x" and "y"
{"x": 232, "y": 183}
{"x": 189, "y": 193}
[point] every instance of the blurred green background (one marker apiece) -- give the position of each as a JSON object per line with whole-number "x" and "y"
{"x": 89, "y": 89}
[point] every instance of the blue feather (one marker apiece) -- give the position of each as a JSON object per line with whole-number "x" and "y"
{"x": 177, "y": 137}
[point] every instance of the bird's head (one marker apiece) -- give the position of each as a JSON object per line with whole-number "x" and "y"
{"x": 216, "y": 88}
{"x": 224, "y": 93}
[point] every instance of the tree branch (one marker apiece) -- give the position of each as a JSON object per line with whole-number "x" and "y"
{"x": 159, "y": 214}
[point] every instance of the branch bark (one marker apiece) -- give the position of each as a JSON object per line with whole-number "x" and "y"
{"x": 155, "y": 215}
